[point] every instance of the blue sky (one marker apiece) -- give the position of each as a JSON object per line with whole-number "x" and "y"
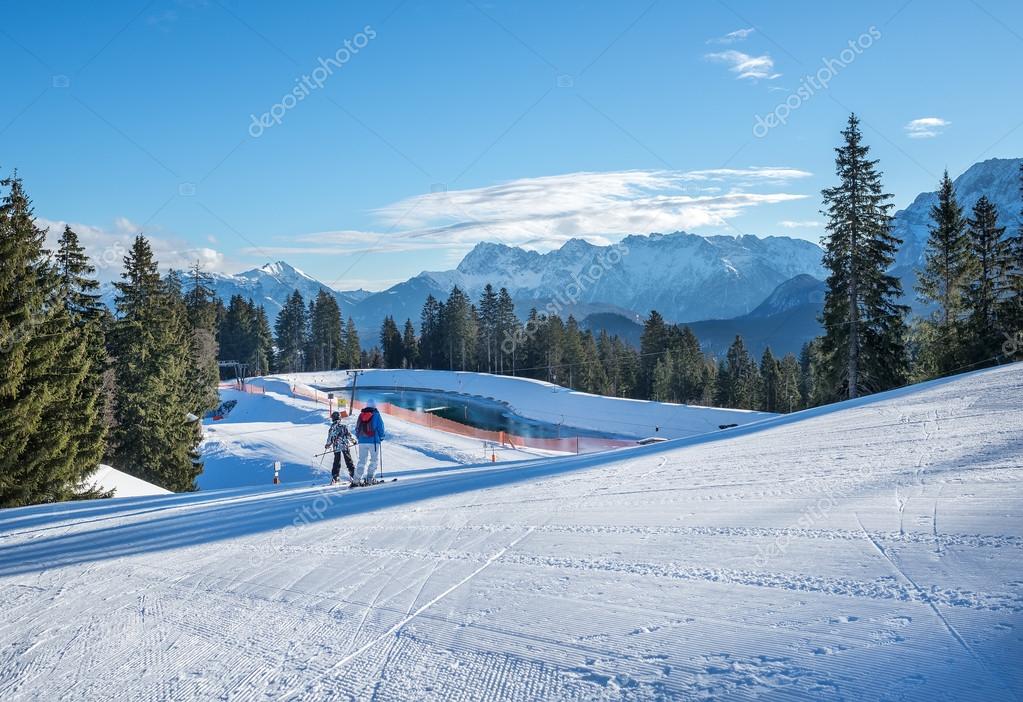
{"x": 440, "y": 124}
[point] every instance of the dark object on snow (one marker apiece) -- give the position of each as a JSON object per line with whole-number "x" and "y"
{"x": 221, "y": 410}
{"x": 651, "y": 440}
{"x": 727, "y": 426}
{"x": 375, "y": 482}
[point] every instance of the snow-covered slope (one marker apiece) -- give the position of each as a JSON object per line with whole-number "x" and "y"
{"x": 545, "y": 402}
{"x": 123, "y": 485}
{"x": 683, "y": 276}
{"x": 867, "y": 551}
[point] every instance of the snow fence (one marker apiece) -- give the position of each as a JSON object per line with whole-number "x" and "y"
{"x": 565, "y": 444}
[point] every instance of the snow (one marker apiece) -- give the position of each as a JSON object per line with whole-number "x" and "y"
{"x": 123, "y": 485}
{"x": 542, "y": 401}
{"x": 869, "y": 550}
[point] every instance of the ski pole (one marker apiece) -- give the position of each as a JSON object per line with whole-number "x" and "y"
{"x": 320, "y": 455}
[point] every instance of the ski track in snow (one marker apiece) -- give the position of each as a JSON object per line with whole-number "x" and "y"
{"x": 871, "y": 551}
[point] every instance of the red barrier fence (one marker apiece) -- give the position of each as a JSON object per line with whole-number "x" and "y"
{"x": 568, "y": 444}
{"x": 244, "y": 387}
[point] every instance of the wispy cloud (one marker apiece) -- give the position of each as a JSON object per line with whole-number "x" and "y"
{"x": 745, "y": 66}
{"x": 544, "y": 212}
{"x": 799, "y": 224}
{"x": 926, "y": 127}
{"x": 732, "y": 37}
{"x": 107, "y": 247}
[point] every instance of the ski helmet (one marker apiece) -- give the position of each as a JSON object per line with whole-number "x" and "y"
{"x": 335, "y": 416}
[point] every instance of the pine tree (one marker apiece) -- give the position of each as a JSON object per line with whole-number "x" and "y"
{"x": 982, "y": 300}
{"x": 572, "y": 354}
{"x": 86, "y": 410}
{"x": 42, "y": 365}
{"x": 390, "y": 343}
{"x": 739, "y": 382}
{"x": 770, "y": 373}
{"x": 353, "y": 345}
{"x": 863, "y": 343}
{"x": 430, "y": 341}
{"x": 409, "y": 346}
{"x": 509, "y": 329}
{"x": 156, "y": 435}
{"x": 691, "y": 367}
{"x": 291, "y": 329}
{"x": 261, "y": 358}
{"x": 327, "y": 350}
{"x": 591, "y": 371}
{"x": 201, "y": 313}
{"x": 458, "y": 330}
{"x": 789, "y": 375}
{"x": 488, "y": 329}
{"x": 1012, "y": 306}
{"x": 942, "y": 282}
{"x": 652, "y": 345}
{"x": 663, "y": 388}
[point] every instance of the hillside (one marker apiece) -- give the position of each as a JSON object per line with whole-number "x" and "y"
{"x": 784, "y": 321}
{"x": 869, "y": 550}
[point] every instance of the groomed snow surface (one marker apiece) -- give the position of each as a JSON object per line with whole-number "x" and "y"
{"x": 871, "y": 550}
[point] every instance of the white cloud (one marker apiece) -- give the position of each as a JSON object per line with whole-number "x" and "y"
{"x": 543, "y": 213}
{"x": 732, "y": 37}
{"x": 746, "y": 66}
{"x": 107, "y": 247}
{"x": 926, "y": 127}
{"x": 799, "y": 224}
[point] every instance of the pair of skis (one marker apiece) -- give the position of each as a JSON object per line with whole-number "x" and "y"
{"x": 352, "y": 486}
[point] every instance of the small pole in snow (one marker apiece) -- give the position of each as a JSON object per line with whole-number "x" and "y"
{"x": 277, "y": 472}
{"x": 354, "y": 374}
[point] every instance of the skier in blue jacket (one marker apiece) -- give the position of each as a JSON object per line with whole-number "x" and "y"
{"x": 369, "y": 430}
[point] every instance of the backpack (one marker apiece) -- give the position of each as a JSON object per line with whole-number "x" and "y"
{"x": 364, "y": 427}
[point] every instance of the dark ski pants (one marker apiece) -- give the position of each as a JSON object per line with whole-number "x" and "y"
{"x": 336, "y": 471}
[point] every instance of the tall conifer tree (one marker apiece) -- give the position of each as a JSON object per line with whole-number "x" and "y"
{"x": 942, "y": 282}
{"x": 864, "y": 325}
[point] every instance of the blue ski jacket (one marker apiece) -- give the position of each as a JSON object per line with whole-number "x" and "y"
{"x": 376, "y": 423}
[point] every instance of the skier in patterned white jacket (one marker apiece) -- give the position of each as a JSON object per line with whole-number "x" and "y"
{"x": 340, "y": 439}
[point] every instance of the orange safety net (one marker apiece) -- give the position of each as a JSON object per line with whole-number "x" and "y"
{"x": 570, "y": 444}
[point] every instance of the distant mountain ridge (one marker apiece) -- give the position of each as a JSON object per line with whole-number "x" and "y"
{"x": 269, "y": 286}
{"x": 684, "y": 276}
{"x": 784, "y": 321}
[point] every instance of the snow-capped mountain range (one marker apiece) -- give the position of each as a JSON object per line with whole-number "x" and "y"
{"x": 684, "y": 276}
{"x": 269, "y": 286}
